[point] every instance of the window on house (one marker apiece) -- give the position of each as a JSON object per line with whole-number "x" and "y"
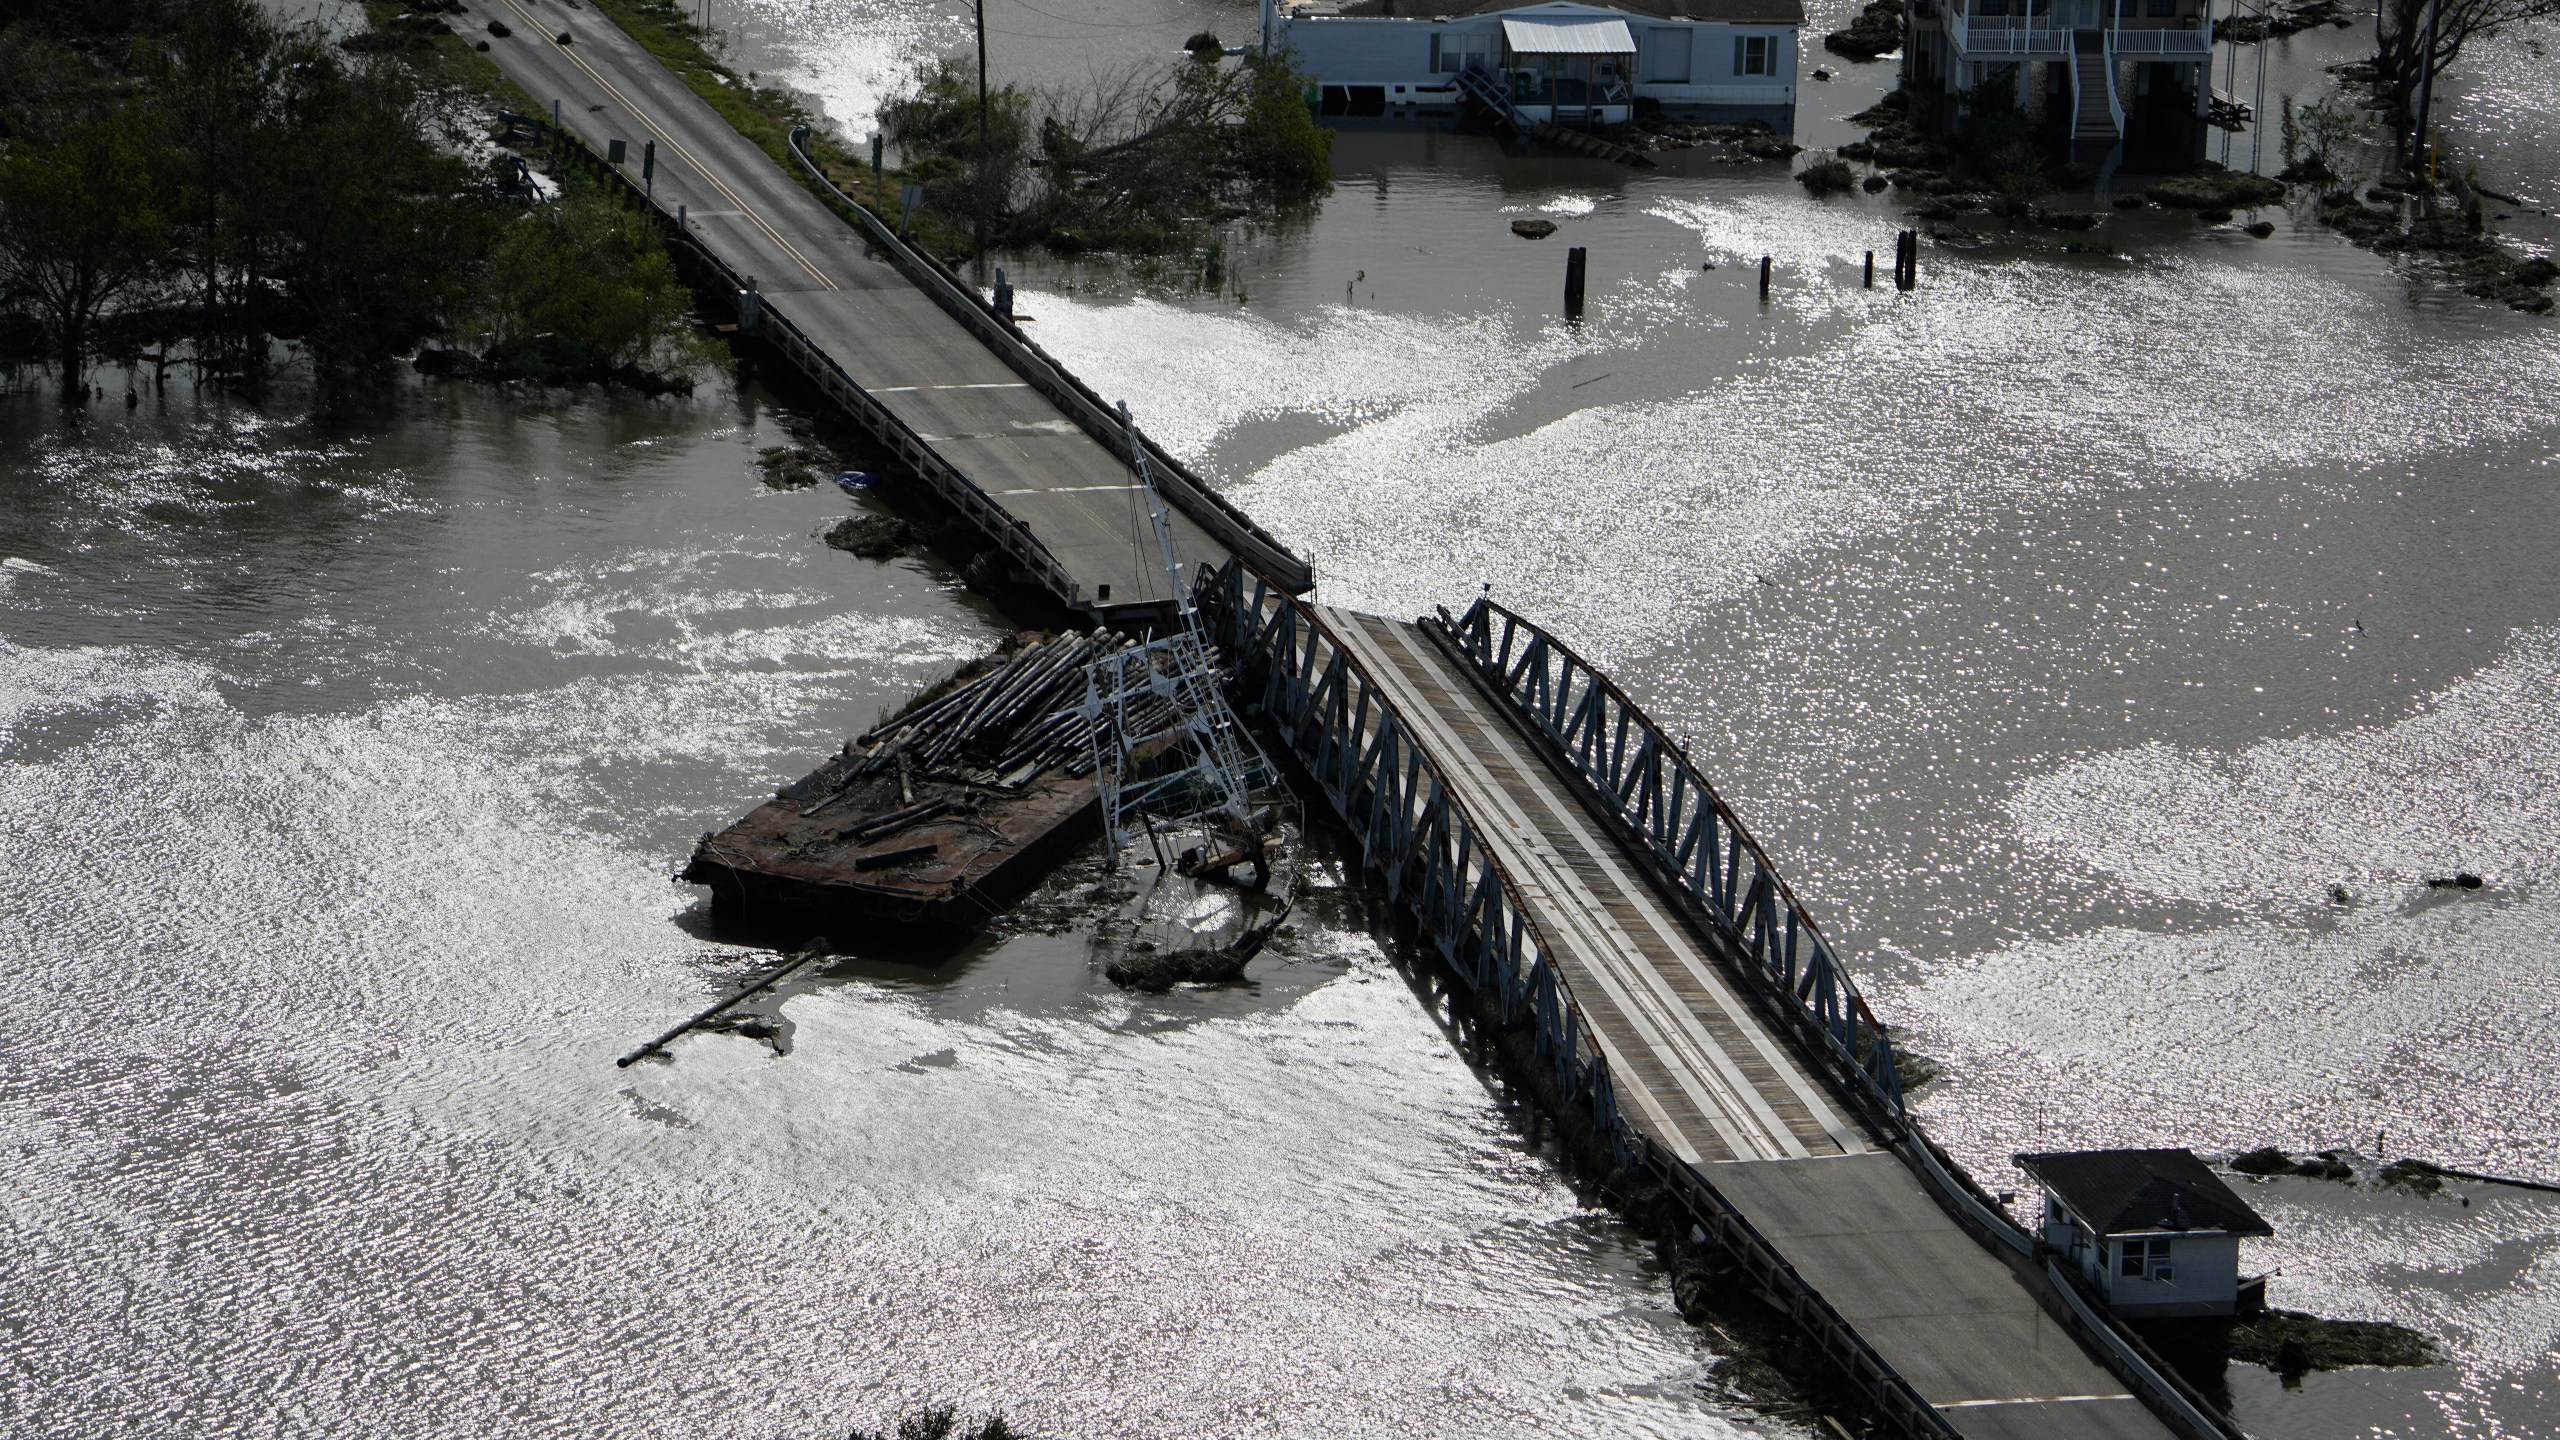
{"x": 2163, "y": 9}
{"x": 2145, "y": 1259}
{"x": 1752, "y": 55}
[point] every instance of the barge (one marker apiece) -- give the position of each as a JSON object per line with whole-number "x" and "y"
{"x": 938, "y": 818}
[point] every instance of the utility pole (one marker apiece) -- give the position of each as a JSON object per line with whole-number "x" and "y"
{"x": 980, "y": 239}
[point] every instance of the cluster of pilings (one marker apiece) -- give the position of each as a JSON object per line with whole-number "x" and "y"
{"x": 1906, "y": 271}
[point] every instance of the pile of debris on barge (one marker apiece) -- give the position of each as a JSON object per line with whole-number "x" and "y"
{"x": 939, "y": 817}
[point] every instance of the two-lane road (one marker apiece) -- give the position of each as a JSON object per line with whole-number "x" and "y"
{"x": 1072, "y": 494}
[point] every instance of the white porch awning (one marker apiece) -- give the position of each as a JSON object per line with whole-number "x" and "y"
{"x": 1569, "y": 37}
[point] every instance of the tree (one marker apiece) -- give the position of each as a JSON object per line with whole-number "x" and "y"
{"x": 216, "y": 83}
{"x": 581, "y": 287}
{"x": 2405, "y": 62}
{"x": 80, "y": 227}
{"x": 383, "y": 225}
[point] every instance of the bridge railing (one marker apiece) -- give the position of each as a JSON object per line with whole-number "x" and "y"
{"x": 1418, "y": 836}
{"x": 1220, "y": 517}
{"x": 1414, "y": 827}
{"x": 1667, "y": 807}
{"x": 1685, "y": 826}
{"x": 957, "y": 490}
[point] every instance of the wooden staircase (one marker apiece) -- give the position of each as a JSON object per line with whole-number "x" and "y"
{"x": 2093, "y": 84}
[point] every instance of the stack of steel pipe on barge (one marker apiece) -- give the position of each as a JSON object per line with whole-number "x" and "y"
{"x": 938, "y": 817}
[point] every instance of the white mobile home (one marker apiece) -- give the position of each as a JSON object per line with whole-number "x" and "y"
{"x": 1548, "y": 59}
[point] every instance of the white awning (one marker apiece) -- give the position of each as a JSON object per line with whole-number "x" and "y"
{"x": 1569, "y": 37}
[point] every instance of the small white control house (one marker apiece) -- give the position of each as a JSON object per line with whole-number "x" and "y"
{"x": 2152, "y": 1231}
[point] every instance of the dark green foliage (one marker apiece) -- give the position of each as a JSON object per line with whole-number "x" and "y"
{"x": 2210, "y": 187}
{"x": 971, "y": 158}
{"x": 238, "y": 180}
{"x": 1877, "y": 31}
{"x": 377, "y": 226}
{"x": 582, "y": 289}
{"x": 1998, "y": 145}
{"x": 229, "y": 181}
{"x": 81, "y": 225}
{"x": 873, "y": 537}
{"x": 1827, "y": 175}
{"x": 2327, "y": 1165}
{"x": 1895, "y": 141}
{"x": 2415, "y": 1176}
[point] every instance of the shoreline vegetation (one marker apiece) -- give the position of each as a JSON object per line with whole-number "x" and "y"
{"x": 1148, "y": 162}
{"x": 1996, "y": 167}
{"x": 200, "y": 186}
{"x": 1143, "y": 163}
{"x": 192, "y": 184}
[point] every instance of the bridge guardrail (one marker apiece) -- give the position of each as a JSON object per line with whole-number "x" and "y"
{"x": 1221, "y": 517}
{"x": 1616, "y": 748}
{"x": 957, "y": 490}
{"x": 1417, "y": 834}
{"x": 2164, "y": 1393}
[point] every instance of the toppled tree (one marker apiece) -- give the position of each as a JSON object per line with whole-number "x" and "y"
{"x": 1141, "y": 162}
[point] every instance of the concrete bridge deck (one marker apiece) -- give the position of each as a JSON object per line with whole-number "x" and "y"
{"x": 1475, "y": 800}
{"x": 1694, "y": 1063}
{"x": 947, "y": 384}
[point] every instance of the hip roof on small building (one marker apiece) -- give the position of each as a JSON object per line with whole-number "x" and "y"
{"x": 2125, "y": 1192}
{"x": 1734, "y": 12}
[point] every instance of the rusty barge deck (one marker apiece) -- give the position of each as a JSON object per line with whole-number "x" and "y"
{"x": 938, "y": 818}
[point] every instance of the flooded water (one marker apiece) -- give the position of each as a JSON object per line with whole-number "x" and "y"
{"x": 2074, "y": 631}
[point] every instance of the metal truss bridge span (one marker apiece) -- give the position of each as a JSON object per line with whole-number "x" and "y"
{"x": 1571, "y": 865}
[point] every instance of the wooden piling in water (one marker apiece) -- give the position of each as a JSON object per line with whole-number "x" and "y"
{"x": 1764, "y": 277}
{"x": 1871, "y": 270}
{"x": 1575, "y": 261}
{"x": 812, "y": 951}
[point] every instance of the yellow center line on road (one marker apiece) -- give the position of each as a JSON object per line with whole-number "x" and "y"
{"x": 672, "y": 143}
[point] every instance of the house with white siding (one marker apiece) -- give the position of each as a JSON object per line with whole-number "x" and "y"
{"x": 2109, "y": 68}
{"x": 1546, "y": 60}
{"x": 2153, "y": 1232}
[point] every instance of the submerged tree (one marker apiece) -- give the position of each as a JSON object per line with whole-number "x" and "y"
{"x": 248, "y": 180}
{"x": 2413, "y": 47}
{"x": 80, "y": 226}
{"x": 582, "y": 287}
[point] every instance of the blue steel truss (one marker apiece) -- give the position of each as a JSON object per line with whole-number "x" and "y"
{"x": 1418, "y": 838}
{"x": 1680, "y": 821}
{"x": 1414, "y": 829}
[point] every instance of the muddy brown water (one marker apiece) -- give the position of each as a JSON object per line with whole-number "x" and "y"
{"x": 2069, "y": 630}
